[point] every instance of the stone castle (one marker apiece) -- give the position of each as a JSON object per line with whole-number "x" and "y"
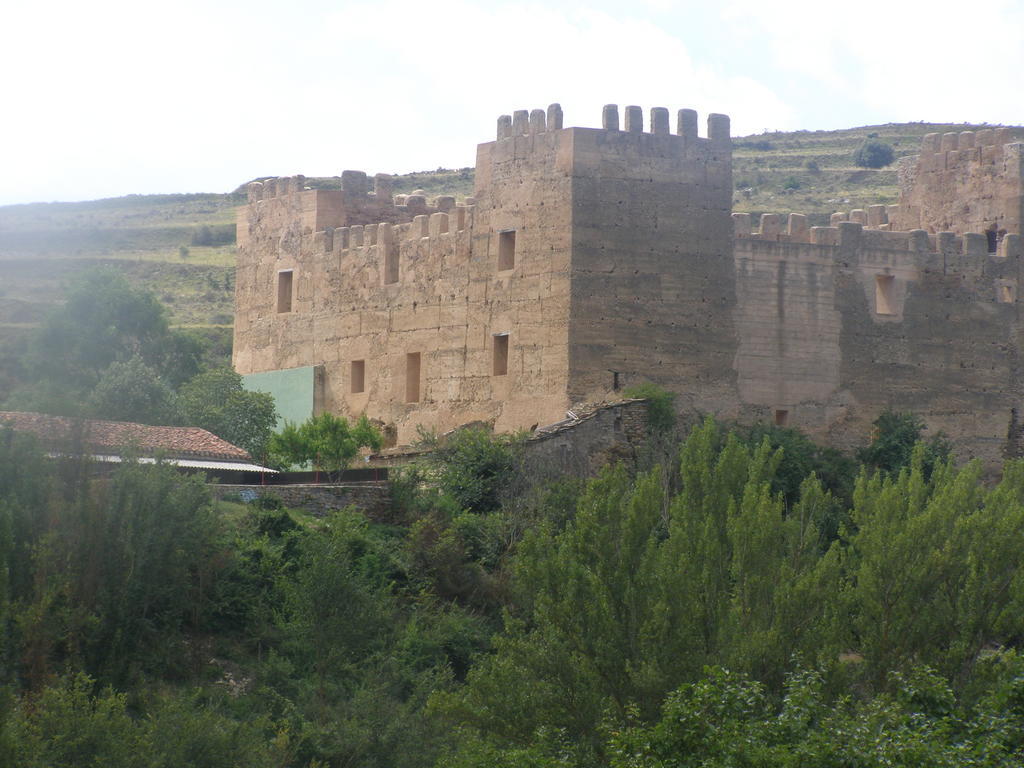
{"x": 592, "y": 259}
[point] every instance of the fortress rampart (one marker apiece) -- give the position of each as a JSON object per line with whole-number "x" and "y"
{"x": 589, "y": 259}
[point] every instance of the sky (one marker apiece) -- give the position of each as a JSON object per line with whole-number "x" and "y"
{"x": 112, "y": 97}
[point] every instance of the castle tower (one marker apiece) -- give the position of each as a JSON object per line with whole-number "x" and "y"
{"x": 635, "y": 225}
{"x": 968, "y": 182}
{"x": 588, "y": 259}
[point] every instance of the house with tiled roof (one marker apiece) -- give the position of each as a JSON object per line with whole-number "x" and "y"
{"x": 189, "y": 448}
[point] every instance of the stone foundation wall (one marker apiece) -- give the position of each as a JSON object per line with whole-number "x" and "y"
{"x": 610, "y": 434}
{"x": 372, "y": 499}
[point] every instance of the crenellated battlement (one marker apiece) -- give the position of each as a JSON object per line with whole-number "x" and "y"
{"x": 533, "y": 122}
{"x": 341, "y": 240}
{"x": 851, "y": 230}
{"x": 718, "y": 130}
{"x": 525, "y": 122}
{"x": 286, "y": 203}
{"x": 952, "y": 151}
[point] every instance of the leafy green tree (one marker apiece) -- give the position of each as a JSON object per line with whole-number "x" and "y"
{"x": 893, "y": 441}
{"x": 934, "y": 566}
{"x": 640, "y": 592}
{"x": 68, "y": 727}
{"x": 106, "y": 320}
{"x": 728, "y": 719}
{"x": 326, "y": 441}
{"x": 332, "y": 609}
{"x": 117, "y": 575}
{"x": 132, "y": 391}
{"x": 216, "y": 401}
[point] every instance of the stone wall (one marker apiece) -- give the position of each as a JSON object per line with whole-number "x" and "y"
{"x": 371, "y": 498}
{"x": 612, "y": 433}
{"x": 838, "y": 323}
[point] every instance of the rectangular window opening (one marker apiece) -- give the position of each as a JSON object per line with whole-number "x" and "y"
{"x": 885, "y": 295}
{"x": 358, "y": 377}
{"x": 284, "y": 291}
{"x": 1007, "y": 294}
{"x": 391, "y": 263}
{"x": 781, "y": 418}
{"x": 506, "y": 250}
{"x": 412, "y": 377}
{"x": 500, "y": 354}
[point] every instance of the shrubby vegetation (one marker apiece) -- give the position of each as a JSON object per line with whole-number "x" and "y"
{"x": 753, "y": 600}
{"x": 326, "y": 441}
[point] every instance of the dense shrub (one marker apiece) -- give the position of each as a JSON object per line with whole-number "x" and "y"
{"x": 873, "y": 154}
{"x": 475, "y": 468}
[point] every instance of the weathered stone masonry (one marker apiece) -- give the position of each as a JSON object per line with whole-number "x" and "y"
{"x": 590, "y": 259}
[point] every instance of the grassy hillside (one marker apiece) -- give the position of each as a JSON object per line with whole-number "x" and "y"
{"x": 182, "y": 246}
{"x": 813, "y": 172}
{"x": 150, "y": 238}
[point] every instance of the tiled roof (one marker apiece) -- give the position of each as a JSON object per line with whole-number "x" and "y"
{"x": 57, "y": 432}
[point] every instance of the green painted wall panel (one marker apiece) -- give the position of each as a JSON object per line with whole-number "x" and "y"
{"x": 294, "y": 391}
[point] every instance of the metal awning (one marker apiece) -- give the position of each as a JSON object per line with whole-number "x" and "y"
{"x": 231, "y": 466}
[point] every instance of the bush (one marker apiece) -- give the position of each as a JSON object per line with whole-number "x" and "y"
{"x": 791, "y": 182}
{"x": 476, "y": 467}
{"x": 812, "y": 166}
{"x": 873, "y": 154}
{"x": 219, "y": 234}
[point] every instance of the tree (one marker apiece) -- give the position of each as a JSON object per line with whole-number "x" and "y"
{"x": 216, "y": 401}
{"x": 873, "y": 154}
{"x": 326, "y": 441}
{"x": 132, "y": 391}
{"x": 104, "y": 320}
{"x": 640, "y": 592}
{"x": 893, "y": 442}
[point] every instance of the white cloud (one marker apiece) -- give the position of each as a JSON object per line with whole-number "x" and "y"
{"x": 115, "y": 96}
{"x": 451, "y": 70}
{"x": 901, "y": 60}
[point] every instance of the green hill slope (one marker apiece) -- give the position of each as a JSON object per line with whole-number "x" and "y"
{"x": 813, "y": 172}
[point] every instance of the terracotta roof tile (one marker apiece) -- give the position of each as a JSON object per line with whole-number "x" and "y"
{"x": 114, "y": 436}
